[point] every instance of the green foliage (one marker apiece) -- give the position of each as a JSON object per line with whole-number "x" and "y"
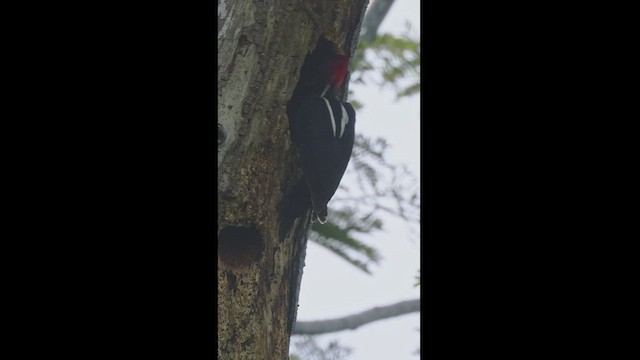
{"x": 338, "y": 238}
{"x": 382, "y": 187}
{"x": 357, "y": 105}
{"x": 396, "y": 61}
{"x": 307, "y": 349}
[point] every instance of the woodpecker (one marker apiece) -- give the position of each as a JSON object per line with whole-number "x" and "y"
{"x": 323, "y": 132}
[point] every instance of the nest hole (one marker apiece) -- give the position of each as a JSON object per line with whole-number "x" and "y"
{"x": 240, "y": 246}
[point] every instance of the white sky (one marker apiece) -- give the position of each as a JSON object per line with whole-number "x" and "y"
{"x": 333, "y": 288}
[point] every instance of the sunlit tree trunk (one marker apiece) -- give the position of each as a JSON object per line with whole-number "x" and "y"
{"x": 261, "y": 48}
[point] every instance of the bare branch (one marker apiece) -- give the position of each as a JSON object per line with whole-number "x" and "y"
{"x": 373, "y": 18}
{"x": 354, "y": 321}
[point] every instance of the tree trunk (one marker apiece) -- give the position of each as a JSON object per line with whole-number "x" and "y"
{"x": 262, "y": 46}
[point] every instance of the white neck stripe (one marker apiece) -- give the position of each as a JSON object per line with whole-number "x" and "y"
{"x": 324, "y": 91}
{"x": 344, "y": 120}
{"x": 333, "y": 120}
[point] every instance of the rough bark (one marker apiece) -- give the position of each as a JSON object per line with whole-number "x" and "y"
{"x": 262, "y": 46}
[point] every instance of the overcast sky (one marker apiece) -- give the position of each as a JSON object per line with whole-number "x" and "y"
{"x": 333, "y": 288}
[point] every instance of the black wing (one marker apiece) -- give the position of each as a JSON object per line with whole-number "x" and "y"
{"x": 324, "y": 148}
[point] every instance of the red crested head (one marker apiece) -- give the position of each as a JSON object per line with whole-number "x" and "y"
{"x": 338, "y": 70}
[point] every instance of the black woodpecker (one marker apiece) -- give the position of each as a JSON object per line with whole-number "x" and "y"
{"x": 323, "y": 133}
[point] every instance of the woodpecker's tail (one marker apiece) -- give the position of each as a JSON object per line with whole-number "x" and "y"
{"x": 293, "y": 206}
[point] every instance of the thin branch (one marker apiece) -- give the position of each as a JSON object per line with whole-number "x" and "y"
{"x": 354, "y": 321}
{"x": 373, "y": 18}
